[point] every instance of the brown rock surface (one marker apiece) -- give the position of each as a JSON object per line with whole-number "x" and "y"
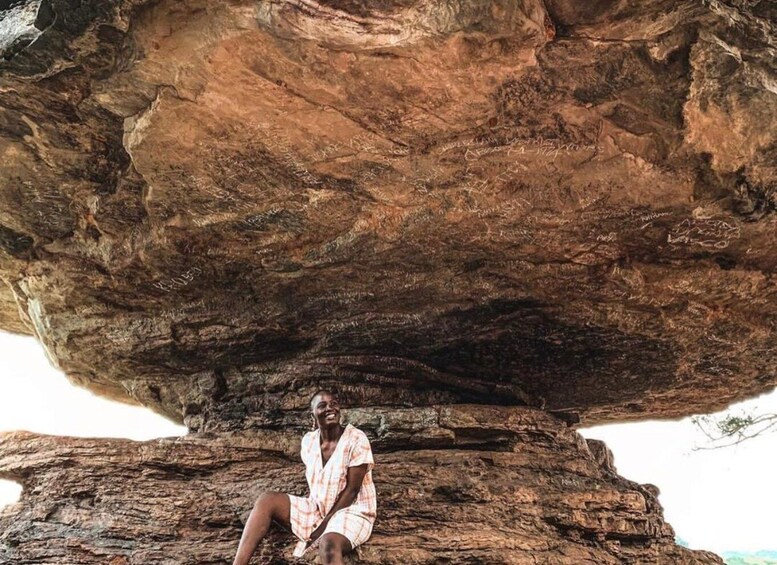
{"x": 213, "y": 208}
{"x": 519, "y": 197}
{"x": 465, "y": 484}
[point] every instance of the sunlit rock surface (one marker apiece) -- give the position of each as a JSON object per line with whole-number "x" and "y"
{"x": 213, "y": 208}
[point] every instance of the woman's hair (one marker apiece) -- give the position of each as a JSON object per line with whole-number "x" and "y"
{"x": 321, "y": 391}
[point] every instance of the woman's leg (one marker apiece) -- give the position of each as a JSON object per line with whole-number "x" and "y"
{"x": 268, "y": 507}
{"x": 332, "y": 547}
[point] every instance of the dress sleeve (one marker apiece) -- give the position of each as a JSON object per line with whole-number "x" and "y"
{"x": 304, "y": 448}
{"x": 361, "y": 451}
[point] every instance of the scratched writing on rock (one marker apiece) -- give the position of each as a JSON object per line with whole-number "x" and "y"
{"x": 118, "y": 336}
{"x": 361, "y": 142}
{"x": 505, "y": 182}
{"x": 710, "y": 233}
{"x": 132, "y": 330}
{"x": 504, "y": 209}
{"x": 422, "y": 180}
{"x": 383, "y": 321}
{"x": 178, "y": 281}
{"x": 273, "y": 138}
{"x": 183, "y": 310}
{"x": 476, "y": 149}
{"x": 234, "y": 204}
{"x": 341, "y": 297}
{"x": 222, "y": 196}
{"x": 653, "y": 216}
{"x": 54, "y": 206}
{"x": 262, "y": 219}
{"x": 607, "y": 238}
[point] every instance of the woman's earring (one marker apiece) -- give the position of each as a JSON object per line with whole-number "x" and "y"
{"x": 315, "y": 425}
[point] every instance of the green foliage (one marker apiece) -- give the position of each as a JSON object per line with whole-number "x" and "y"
{"x": 681, "y": 542}
{"x": 760, "y": 558}
{"x": 732, "y": 429}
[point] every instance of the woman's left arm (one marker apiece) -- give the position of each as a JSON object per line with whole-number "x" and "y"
{"x": 353, "y": 483}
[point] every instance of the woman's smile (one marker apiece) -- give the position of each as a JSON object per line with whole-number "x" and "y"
{"x": 326, "y": 410}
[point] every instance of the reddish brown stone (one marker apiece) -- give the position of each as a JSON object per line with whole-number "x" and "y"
{"x": 463, "y": 484}
{"x": 211, "y": 209}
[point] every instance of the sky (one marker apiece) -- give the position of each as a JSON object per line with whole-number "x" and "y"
{"x": 719, "y": 500}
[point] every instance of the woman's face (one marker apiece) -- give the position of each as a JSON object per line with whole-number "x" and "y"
{"x": 326, "y": 409}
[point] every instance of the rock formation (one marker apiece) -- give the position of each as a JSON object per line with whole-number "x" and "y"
{"x": 457, "y": 484}
{"x": 521, "y": 213}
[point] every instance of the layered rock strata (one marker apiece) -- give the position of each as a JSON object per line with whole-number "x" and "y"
{"x": 456, "y": 484}
{"x": 505, "y": 199}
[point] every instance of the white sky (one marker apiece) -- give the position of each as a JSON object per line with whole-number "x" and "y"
{"x": 720, "y": 500}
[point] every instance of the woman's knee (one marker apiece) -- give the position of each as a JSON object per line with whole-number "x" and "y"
{"x": 331, "y": 548}
{"x": 269, "y": 501}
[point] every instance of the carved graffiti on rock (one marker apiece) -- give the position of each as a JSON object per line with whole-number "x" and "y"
{"x": 709, "y": 233}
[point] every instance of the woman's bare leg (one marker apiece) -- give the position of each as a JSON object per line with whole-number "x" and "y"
{"x": 332, "y": 548}
{"x": 268, "y": 507}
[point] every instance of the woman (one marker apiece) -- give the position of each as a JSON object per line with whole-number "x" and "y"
{"x": 340, "y": 511}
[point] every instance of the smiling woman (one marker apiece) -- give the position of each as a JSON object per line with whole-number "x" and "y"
{"x": 339, "y": 514}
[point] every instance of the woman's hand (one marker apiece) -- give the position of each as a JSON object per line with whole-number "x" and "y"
{"x": 316, "y": 534}
{"x": 344, "y": 499}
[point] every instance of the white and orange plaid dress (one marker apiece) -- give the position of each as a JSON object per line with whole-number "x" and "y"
{"x": 326, "y": 482}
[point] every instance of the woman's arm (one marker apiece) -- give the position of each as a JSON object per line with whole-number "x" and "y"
{"x": 353, "y": 484}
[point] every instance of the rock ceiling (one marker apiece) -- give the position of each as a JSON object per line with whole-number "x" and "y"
{"x": 208, "y": 208}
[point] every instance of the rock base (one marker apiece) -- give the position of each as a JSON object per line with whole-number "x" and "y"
{"x": 456, "y": 484}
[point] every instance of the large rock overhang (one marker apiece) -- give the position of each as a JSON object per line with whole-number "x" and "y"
{"x": 210, "y": 209}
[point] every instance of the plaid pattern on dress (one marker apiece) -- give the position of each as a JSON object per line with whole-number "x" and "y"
{"x": 327, "y": 482}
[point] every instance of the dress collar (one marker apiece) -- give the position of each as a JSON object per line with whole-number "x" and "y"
{"x": 321, "y": 453}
